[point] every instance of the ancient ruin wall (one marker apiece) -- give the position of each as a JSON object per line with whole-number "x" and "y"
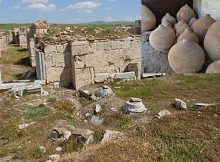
{"x": 58, "y": 64}
{"x": 97, "y": 60}
{"x": 83, "y": 62}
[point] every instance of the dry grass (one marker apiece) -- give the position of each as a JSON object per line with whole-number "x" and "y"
{"x": 14, "y": 62}
{"x": 183, "y": 136}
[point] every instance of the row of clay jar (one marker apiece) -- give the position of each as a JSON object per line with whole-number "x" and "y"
{"x": 186, "y": 56}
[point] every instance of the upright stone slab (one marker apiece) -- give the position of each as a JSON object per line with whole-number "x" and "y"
{"x": 40, "y": 65}
{"x": 0, "y": 74}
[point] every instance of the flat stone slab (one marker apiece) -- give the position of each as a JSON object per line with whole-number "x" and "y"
{"x": 153, "y": 75}
{"x": 102, "y": 77}
{"x": 127, "y": 75}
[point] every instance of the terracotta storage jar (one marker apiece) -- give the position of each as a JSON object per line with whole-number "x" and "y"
{"x": 188, "y": 34}
{"x": 161, "y": 7}
{"x": 148, "y": 19}
{"x": 186, "y": 13}
{"x": 170, "y": 19}
{"x": 186, "y": 57}
{"x": 162, "y": 38}
{"x": 201, "y": 26}
{"x": 212, "y": 42}
{"x": 214, "y": 67}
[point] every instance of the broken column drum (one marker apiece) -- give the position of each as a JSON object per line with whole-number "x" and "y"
{"x": 201, "y": 26}
{"x": 212, "y": 42}
{"x": 104, "y": 92}
{"x": 162, "y": 38}
{"x": 186, "y": 57}
{"x": 134, "y": 105}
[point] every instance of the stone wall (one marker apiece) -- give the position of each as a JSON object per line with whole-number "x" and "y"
{"x": 31, "y": 51}
{"x": 83, "y": 62}
{"x": 58, "y": 64}
{"x": 208, "y": 7}
{"x": 99, "y": 60}
{"x": 22, "y": 37}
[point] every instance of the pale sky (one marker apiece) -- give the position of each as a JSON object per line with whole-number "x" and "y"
{"x": 68, "y": 11}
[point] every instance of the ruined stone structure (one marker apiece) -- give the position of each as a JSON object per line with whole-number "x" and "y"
{"x": 37, "y": 31}
{"x": 22, "y": 37}
{"x": 4, "y": 41}
{"x": 82, "y": 62}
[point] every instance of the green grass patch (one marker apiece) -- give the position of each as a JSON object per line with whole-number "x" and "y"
{"x": 40, "y": 110}
{"x": 10, "y": 130}
{"x": 124, "y": 124}
{"x": 15, "y": 55}
{"x": 180, "y": 149}
{"x": 36, "y": 153}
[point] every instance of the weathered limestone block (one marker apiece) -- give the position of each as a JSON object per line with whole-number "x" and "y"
{"x": 127, "y": 75}
{"x": 100, "y": 46}
{"x": 98, "y": 59}
{"x": 78, "y": 50}
{"x": 49, "y": 59}
{"x": 83, "y": 77}
{"x": 119, "y": 44}
{"x": 101, "y": 78}
{"x": 126, "y": 44}
{"x": 59, "y": 74}
{"x": 107, "y": 46}
{"x": 113, "y": 45}
{"x": 58, "y": 60}
{"x": 50, "y": 49}
{"x": 60, "y": 48}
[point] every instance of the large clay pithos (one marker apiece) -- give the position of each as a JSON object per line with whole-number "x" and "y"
{"x": 188, "y": 34}
{"x": 186, "y": 57}
{"x": 201, "y": 26}
{"x": 167, "y": 24}
{"x": 170, "y": 19}
{"x": 186, "y": 13}
{"x": 162, "y": 38}
{"x": 214, "y": 67}
{"x": 212, "y": 42}
{"x": 192, "y": 21}
{"x": 181, "y": 29}
{"x": 148, "y": 19}
{"x": 179, "y": 24}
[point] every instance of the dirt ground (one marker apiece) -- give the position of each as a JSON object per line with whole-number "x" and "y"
{"x": 182, "y": 136}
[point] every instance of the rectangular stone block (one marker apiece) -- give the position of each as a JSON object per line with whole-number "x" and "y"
{"x": 126, "y": 75}
{"x": 101, "y": 78}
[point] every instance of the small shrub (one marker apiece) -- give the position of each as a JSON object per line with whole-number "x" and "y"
{"x": 124, "y": 124}
{"x": 36, "y": 153}
{"x": 40, "y": 110}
